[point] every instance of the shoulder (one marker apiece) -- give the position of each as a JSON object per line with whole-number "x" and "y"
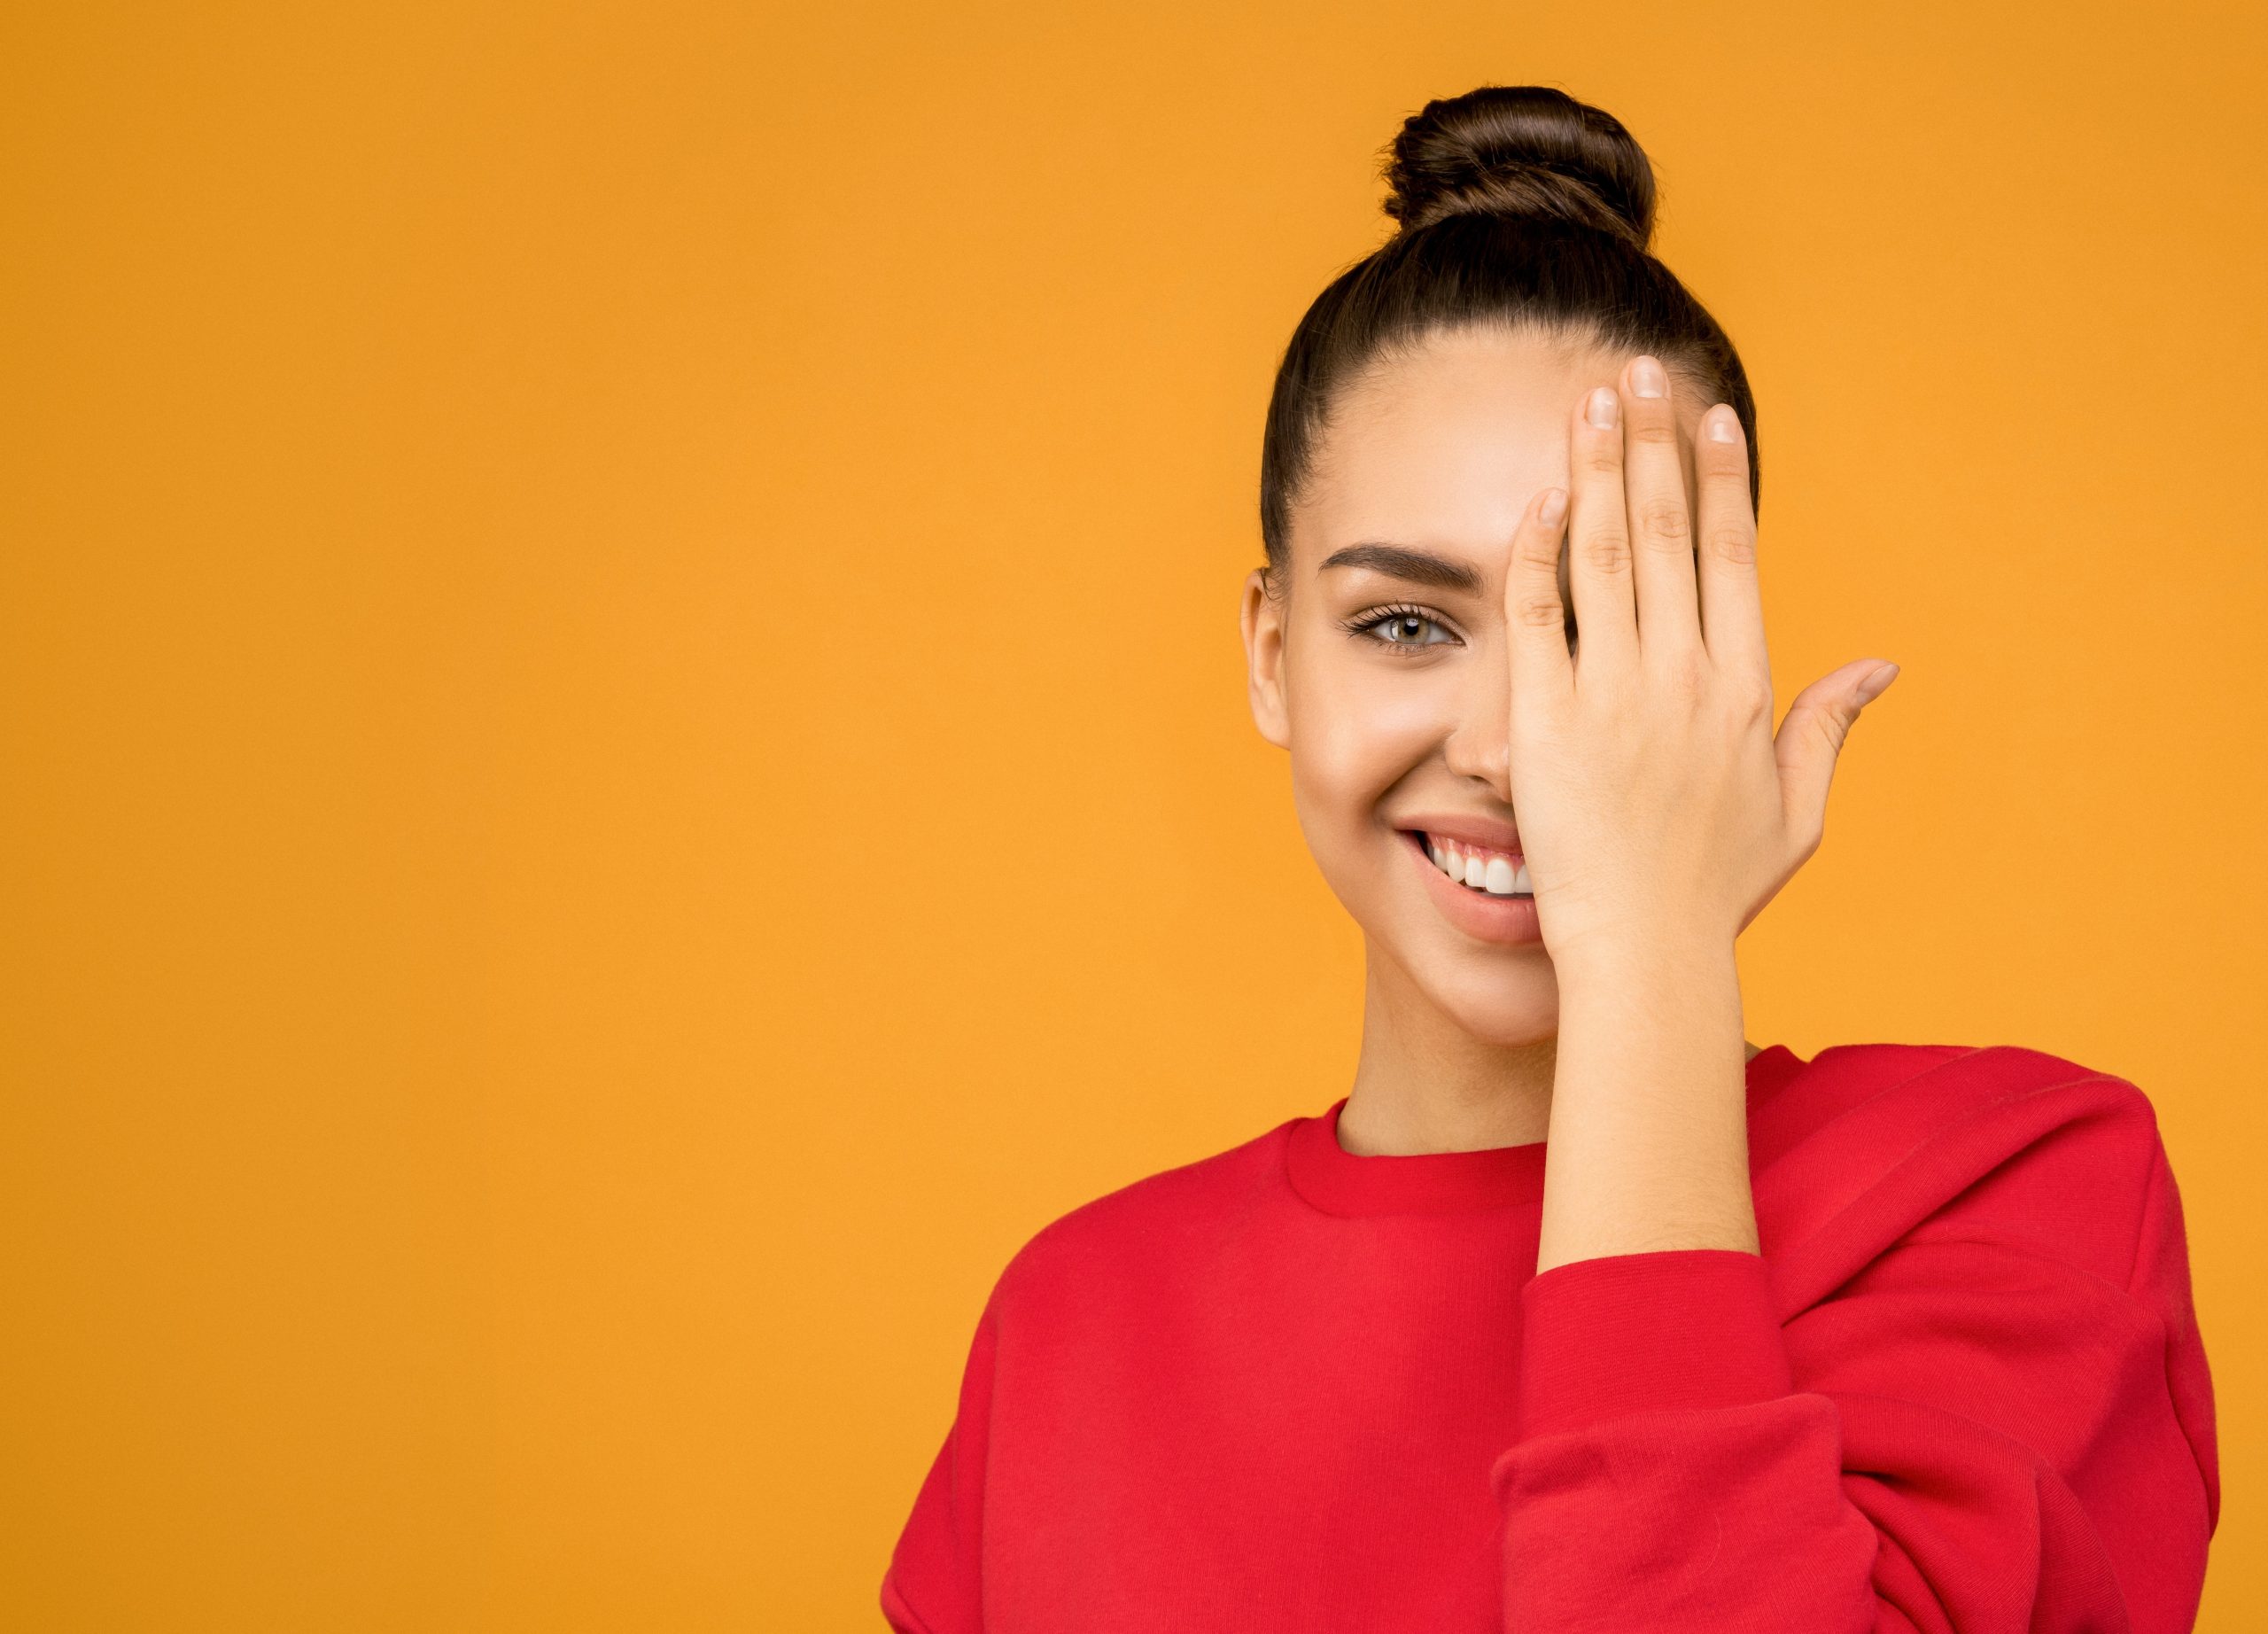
{"x": 1155, "y": 1228}
{"x": 1960, "y": 1078}
{"x": 2003, "y": 1142}
{"x": 1937, "y": 1092}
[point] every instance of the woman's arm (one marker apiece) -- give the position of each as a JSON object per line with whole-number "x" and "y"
{"x": 1962, "y": 1429}
{"x": 1649, "y": 1134}
{"x": 942, "y": 1546}
{"x": 1659, "y": 811}
{"x": 1968, "y": 1436}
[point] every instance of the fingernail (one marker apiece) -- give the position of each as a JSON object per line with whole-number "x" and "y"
{"x": 1647, "y": 379}
{"x": 1554, "y": 506}
{"x": 1871, "y": 688}
{"x": 1724, "y": 425}
{"x": 1604, "y": 407}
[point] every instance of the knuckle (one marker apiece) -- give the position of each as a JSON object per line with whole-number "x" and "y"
{"x": 1603, "y": 457}
{"x": 1733, "y": 545}
{"x": 1652, "y": 429}
{"x": 1607, "y": 551}
{"x": 1532, "y": 610}
{"x": 1663, "y": 519}
{"x": 1537, "y": 554}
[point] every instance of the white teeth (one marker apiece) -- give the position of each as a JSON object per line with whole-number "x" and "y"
{"x": 1479, "y": 870}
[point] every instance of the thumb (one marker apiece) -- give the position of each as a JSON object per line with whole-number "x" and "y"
{"x": 1811, "y": 737}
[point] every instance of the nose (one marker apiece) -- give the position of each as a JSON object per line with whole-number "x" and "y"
{"x": 1479, "y": 746}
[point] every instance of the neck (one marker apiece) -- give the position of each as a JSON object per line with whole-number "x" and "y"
{"x": 1423, "y": 1082}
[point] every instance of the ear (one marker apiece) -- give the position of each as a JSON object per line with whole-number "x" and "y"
{"x": 1263, "y": 656}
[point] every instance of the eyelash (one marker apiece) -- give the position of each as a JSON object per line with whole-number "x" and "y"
{"x": 1362, "y": 624}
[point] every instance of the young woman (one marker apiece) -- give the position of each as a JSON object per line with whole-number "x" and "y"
{"x": 1895, "y": 1337}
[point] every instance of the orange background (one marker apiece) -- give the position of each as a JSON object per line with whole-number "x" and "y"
{"x": 625, "y": 750}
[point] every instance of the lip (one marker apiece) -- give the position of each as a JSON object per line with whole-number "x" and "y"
{"x": 1503, "y": 921}
{"x": 1486, "y": 832}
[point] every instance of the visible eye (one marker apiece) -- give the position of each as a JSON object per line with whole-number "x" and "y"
{"x": 1401, "y": 627}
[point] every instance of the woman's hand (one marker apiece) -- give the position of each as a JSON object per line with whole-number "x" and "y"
{"x": 1655, "y": 806}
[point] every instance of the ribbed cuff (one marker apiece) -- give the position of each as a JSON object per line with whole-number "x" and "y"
{"x": 1637, "y": 1333}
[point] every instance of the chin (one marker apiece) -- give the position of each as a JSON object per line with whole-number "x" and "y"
{"x": 1503, "y": 1000}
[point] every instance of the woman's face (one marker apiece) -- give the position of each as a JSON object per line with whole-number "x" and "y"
{"x": 1399, "y": 731}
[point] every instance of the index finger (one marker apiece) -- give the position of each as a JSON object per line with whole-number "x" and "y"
{"x": 1536, "y": 618}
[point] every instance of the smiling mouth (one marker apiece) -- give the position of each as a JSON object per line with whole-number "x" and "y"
{"x": 1482, "y": 871}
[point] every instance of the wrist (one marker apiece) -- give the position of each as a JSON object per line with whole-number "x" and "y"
{"x": 1617, "y": 958}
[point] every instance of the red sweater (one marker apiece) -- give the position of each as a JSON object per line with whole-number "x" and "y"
{"x": 1286, "y": 1388}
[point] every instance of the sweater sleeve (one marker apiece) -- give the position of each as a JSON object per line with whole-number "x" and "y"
{"x": 933, "y": 1585}
{"x": 1968, "y": 1437}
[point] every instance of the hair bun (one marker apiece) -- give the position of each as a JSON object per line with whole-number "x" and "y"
{"x": 1520, "y": 151}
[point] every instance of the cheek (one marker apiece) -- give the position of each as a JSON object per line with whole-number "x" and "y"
{"x": 1357, "y": 728}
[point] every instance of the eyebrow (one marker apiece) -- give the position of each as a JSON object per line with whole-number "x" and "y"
{"x": 1400, "y": 562}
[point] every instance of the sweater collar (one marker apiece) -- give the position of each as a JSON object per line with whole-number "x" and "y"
{"x": 1337, "y": 1181}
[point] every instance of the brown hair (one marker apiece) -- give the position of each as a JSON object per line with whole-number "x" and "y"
{"x": 1517, "y": 205}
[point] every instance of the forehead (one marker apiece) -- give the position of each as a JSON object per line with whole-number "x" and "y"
{"x": 1444, "y": 443}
